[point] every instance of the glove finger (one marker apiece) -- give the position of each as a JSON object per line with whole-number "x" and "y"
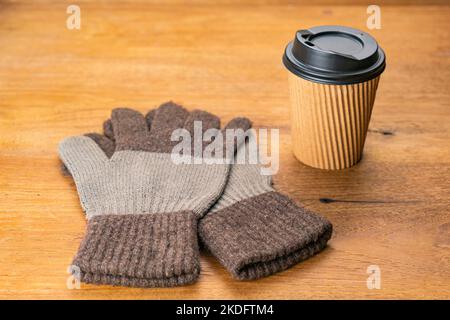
{"x": 108, "y": 130}
{"x": 206, "y": 119}
{"x": 239, "y": 123}
{"x": 164, "y": 120}
{"x": 197, "y": 124}
{"x": 130, "y": 129}
{"x": 81, "y": 154}
{"x": 234, "y": 135}
{"x": 106, "y": 144}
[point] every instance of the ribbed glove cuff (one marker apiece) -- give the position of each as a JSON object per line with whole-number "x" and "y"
{"x": 263, "y": 235}
{"x": 146, "y": 250}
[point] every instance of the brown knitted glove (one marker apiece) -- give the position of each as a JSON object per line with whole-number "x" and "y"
{"x": 142, "y": 208}
{"x": 255, "y": 231}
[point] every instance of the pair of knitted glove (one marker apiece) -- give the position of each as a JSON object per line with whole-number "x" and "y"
{"x": 145, "y": 213}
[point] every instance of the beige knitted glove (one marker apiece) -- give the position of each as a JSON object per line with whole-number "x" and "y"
{"x": 142, "y": 208}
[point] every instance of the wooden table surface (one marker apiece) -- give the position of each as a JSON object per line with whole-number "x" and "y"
{"x": 391, "y": 210}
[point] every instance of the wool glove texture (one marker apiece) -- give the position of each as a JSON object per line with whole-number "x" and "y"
{"x": 142, "y": 208}
{"x": 255, "y": 231}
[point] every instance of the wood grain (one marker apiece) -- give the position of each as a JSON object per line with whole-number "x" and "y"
{"x": 391, "y": 210}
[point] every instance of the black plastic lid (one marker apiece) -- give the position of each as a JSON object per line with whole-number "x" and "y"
{"x": 334, "y": 55}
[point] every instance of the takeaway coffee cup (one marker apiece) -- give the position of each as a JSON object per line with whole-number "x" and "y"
{"x": 333, "y": 78}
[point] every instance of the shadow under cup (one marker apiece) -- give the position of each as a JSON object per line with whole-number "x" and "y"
{"x": 333, "y": 79}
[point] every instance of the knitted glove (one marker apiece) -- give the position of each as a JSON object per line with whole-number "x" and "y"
{"x": 142, "y": 208}
{"x": 255, "y": 231}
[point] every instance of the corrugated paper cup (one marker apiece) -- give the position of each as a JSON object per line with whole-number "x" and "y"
{"x": 333, "y": 79}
